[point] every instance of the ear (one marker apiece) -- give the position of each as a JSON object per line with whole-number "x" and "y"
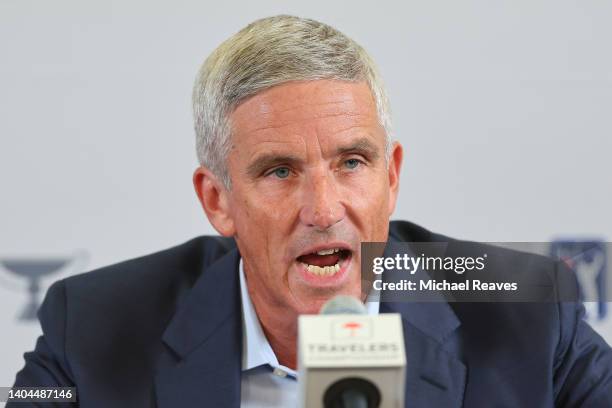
{"x": 395, "y": 164}
{"x": 214, "y": 198}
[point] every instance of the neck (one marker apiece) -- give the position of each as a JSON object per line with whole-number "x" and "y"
{"x": 280, "y": 328}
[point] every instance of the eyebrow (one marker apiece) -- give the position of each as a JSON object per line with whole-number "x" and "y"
{"x": 267, "y": 161}
{"x": 361, "y": 146}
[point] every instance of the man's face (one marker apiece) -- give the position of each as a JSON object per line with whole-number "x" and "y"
{"x": 309, "y": 184}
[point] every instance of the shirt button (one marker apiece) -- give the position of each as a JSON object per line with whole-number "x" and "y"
{"x": 279, "y": 372}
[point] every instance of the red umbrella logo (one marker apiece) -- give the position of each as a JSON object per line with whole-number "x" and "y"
{"x": 352, "y": 326}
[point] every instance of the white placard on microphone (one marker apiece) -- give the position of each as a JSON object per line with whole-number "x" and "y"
{"x": 337, "y": 346}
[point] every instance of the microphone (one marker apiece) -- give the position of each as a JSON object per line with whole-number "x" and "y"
{"x": 348, "y": 359}
{"x": 343, "y": 304}
{"x": 353, "y": 393}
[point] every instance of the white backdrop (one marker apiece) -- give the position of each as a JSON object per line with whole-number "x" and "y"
{"x": 503, "y": 109}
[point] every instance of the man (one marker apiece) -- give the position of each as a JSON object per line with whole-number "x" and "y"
{"x": 297, "y": 169}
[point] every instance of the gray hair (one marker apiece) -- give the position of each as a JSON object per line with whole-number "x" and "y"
{"x": 269, "y": 52}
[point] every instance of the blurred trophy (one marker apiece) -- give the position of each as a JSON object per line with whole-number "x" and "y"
{"x": 587, "y": 258}
{"x": 35, "y": 270}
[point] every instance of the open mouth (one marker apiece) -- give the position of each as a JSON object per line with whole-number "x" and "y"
{"x": 325, "y": 262}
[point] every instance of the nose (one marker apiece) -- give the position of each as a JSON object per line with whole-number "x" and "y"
{"x": 322, "y": 206}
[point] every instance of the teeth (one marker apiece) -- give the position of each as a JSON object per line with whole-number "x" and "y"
{"x": 323, "y": 271}
{"x": 328, "y": 251}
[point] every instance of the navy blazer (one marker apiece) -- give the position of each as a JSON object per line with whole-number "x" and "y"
{"x": 165, "y": 331}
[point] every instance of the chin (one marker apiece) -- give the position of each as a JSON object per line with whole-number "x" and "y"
{"x": 313, "y": 306}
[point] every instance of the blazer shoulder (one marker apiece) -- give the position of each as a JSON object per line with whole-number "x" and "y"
{"x": 147, "y": 289}
{"x": 107, "y": 324}
{"x": 503, "y": 263}
{"x": 503, "y": 260}
{"x": 182, "y": 264}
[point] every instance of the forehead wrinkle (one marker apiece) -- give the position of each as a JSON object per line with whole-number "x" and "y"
{"x": 344, "y": 126}
{"x": 270, "y": 133}
{"x": 287, "y": 149}
{"x": 289, "y": 122}
{"x": 302, "y": 113}
{"x": 297, "y": 142}
{"x": 299, "y": 100}
{"x": 266, "y": 107}
{"x": 267, "y": 117}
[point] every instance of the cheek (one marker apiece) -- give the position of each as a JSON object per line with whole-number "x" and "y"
{"x": 262, "y": 222}
{"x": 269, "y": 212}
{"x": 369, "y": 197}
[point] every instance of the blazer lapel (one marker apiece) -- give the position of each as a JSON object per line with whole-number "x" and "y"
{"x": 435, "y": 374}
{"x": 201, "y": 364}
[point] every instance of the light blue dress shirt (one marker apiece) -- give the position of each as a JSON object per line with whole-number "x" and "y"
{"x": 265, "y": 382}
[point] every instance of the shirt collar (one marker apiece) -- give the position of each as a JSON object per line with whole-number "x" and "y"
{"x": 256, "y": 350}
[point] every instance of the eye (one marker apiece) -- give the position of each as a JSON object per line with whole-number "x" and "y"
{"x": 281, "y": 172}
{"x": 352, "y": 163}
